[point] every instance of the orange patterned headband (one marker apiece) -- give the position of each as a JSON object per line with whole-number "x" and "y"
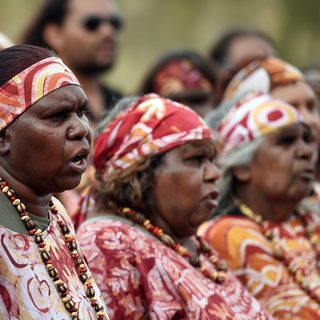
{"x": 30, "y": 85}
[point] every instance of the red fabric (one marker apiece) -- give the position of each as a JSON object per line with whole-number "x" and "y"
{"x": 152, "y": 125}
{"x": 178, "y": 76}
{"x": 147, "y": 280}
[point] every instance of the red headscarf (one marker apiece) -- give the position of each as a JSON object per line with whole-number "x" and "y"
{"x": 152, "y": 125}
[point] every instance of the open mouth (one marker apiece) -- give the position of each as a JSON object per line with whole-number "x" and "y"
{"x": 307, "y": 175}
{"x": 211, "y": 199}
{"x": 79, "y": 162}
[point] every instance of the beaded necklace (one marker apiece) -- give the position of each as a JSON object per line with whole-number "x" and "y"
{"x": 309, "y": 283}
{"x": 61, "y": 286}
{"x": 218, "y": 276}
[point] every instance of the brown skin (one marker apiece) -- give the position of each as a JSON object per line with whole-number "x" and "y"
{"x": 248, "y": 47}
{"x": 38, "y": 150}
{"x": 280, "y": 174}
{"x": 84, "y": 50}
{"x": 302, "y": 97}
{"x": 185, "y": 192}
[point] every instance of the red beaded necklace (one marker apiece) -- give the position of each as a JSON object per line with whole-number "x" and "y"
{"x": 309, "y": 283}
{"x": 61, "y": 286}
{"x": 218, "y": 276}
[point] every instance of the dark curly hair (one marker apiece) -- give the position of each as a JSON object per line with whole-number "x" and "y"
{"x": 132, "y": 188}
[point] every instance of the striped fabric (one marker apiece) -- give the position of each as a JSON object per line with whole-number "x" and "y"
{"x": 29, "y": 86}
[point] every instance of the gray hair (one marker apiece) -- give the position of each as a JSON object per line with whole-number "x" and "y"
{"x": 238, "y": 157}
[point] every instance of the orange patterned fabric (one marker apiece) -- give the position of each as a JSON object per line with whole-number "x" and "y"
{"x": 242, "y": 243}
{"x": 262, "y": 75}
{"x": 29, "y": 86}
{"x": 141, "y": 278}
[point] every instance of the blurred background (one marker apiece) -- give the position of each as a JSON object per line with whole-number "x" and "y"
{"x": 156, "y": 26}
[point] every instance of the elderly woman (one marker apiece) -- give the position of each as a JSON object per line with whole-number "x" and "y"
{"x": 282, "y": 81}
{"x": 268, "y": 166}
{"x": 155, "y": 161}
{"x": 44, "y": 145}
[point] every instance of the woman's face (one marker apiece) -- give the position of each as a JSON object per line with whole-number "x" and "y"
{"x": 50, "y": 142}
{"x": 302, "y": 97}
{"x": 185, "y": 192}
{"x": 283, "y": 168}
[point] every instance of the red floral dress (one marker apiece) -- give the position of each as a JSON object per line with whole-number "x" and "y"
{"x": 140, "y": 278}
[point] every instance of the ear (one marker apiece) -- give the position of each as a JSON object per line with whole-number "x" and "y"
{"x": 4, "y": 142}
{"x": 52, "y": 35}
{"x": 242, "y": 173}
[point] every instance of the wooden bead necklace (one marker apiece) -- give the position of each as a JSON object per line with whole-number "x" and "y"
{"x": 309, "y": 283}
{"x": 61, "y": 286}
{"x": 218, "y": 276}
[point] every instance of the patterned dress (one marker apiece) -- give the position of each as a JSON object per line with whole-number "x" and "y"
{"x": 140, "y": 278}
{"x": 242, "y": 243}
{"x": 26, "y": 290}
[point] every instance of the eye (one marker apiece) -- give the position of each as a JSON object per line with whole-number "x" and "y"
{"x": 308, "y": 136}
{"x": 83, "y": 111}
{"x": 287, "y": 140}
{"x": 60, "y": 116}
{"x": 196, "y": 160}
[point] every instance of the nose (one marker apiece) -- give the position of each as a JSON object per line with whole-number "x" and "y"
{"x": 79, "y": 128}
{"x": 107, "y": 29}
{"x": 211, "y": 172}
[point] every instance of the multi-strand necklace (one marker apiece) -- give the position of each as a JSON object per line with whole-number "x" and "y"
{"x": 220, "y": 266}
{"x": 61, "y": 286}
{"x": 309, "y": 283}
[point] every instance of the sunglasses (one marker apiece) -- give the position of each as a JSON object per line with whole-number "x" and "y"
{"x": 92, "y": 23}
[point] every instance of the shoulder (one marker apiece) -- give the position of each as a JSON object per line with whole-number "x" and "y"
{"x": 234, "y": 236}
{"x": 109, "y": 234}
{"x": 224, "y": 225}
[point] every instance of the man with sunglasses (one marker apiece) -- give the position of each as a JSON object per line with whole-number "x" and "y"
{"x": 85, "y": 35}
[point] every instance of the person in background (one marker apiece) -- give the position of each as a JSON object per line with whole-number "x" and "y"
{"x": 269, "y": 75}
{"x": 184, "y": 76}
{"x": 312, "y": 76}
{"x": 156, "y": 185}
{"x": 238, "y": 45}
{"x": 268, "y": 163}
{"x": 45, "y": 140}
{"x": 85, "y": 36}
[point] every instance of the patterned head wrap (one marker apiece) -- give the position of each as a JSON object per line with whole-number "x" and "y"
{"x": 29, "y": 86}
{"x": 178, "y": 76}
{"x": 253, "y": 116}
{"x": 151, "y": 126}
{"x": 261, "y": 75}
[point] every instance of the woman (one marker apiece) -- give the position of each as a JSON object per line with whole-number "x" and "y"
{"x": 268, "y": 166}
{"x": 184, "y": 76}
{"x": 282, "y": 81}
{"x": 157, "y": 185}
{"x": 44, "y": 144}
